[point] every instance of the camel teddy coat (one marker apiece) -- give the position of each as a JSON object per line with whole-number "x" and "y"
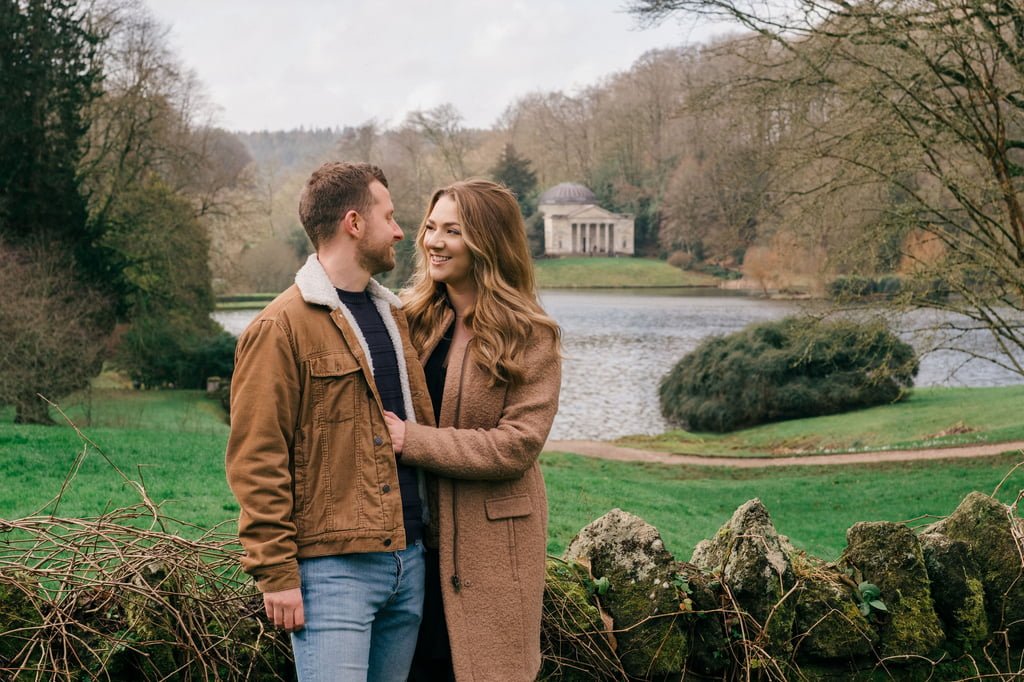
{"x": 490, "y": 508}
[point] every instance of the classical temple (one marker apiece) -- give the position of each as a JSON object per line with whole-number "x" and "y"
{"x": 575, "y": 225}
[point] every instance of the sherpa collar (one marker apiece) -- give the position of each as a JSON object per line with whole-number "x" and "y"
{"x": 316, "y": 287}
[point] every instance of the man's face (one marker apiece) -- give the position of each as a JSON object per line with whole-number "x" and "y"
{"x": 376, "y": 250}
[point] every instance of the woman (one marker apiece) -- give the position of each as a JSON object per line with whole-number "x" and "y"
{"x": 493, "y": 365}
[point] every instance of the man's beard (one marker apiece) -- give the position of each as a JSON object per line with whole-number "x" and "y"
{"x": 376, "y": 259}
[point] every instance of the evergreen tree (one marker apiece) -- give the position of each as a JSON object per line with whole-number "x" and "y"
{"x": 48, "y": 76}
{"x": 513, "y": 171}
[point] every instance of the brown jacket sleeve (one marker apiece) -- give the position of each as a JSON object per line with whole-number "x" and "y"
{"x": 507, "y": 450}
{"x": 264, "y": 404}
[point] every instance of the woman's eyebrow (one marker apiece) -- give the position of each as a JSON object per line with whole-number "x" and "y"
{"x": 432, "y": 223}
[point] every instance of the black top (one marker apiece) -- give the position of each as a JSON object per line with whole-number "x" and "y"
{"x": 389, "y": 385}
{"x": 436, "y": 371}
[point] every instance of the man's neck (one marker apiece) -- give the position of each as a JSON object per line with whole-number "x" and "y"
{"x": 343, "y": 269}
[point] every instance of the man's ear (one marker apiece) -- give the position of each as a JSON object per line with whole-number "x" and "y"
{"x": 352, "y": 224}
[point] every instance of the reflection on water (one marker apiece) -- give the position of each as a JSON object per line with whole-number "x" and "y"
{"x": 619, "y": 343}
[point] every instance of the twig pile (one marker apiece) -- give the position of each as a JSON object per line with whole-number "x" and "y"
{"x": 111, "y": 599}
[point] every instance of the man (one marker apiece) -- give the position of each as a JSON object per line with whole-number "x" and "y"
{"x": 331, "y": 522}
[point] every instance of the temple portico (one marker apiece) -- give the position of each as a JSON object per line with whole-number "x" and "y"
{"x": 575, "y": 225}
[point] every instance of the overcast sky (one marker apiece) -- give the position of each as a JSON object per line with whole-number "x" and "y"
{"x": 271, "y": 64}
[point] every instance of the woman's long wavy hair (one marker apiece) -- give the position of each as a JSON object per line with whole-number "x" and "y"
{"x": 506, "y": 309}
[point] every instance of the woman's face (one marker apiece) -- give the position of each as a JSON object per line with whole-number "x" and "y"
{"x": 449, "y": 259}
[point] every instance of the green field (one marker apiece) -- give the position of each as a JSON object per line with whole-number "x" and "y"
{"x": 931, "y": 417}
{"x": 583, "y": 272}
{"x": 173, "y": 442}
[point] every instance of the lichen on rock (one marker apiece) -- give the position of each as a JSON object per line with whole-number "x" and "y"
{"x": 573, "y": 634}
{"x": 995, "y": 539}
{"x": 642, "y": 597}
{"x": 957, "y": 590}
{"x": 889, "y": 555}
{"x": 753, "y": 560}
{"x": 829, "y": 624}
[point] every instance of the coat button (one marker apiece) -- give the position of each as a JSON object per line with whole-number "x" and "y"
{"x": 385, "y": 488}
{"x": 377, "y": 440}
{"x": 387, "y": 543}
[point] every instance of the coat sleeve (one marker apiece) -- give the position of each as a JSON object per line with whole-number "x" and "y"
{"x": 264, "y": 405}
{"x": 510, "y": 448}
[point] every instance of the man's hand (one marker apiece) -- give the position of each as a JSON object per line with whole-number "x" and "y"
{"x": 397, "y": 429}
{"x": 284, "y": 609}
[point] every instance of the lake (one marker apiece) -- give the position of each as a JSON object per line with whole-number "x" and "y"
{"x": 619, "y": 343}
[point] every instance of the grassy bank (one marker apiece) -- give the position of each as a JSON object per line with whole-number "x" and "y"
{"x": 244, "y": 301}
{"x": 931, "y": 417}
{"x": 173, "y": 442}
{"x": 561, "y": 273}
{"x": 582, "y": 272}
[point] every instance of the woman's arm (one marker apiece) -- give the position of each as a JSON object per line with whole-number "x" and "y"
{"x": 505, "y": 451}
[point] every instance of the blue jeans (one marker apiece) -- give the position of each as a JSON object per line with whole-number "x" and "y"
{"x": 362, "y": 616}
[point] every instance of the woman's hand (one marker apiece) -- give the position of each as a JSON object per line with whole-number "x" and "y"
{"x": 396, "y": 427}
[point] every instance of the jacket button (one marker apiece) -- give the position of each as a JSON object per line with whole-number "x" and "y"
{"x": 387, "y": 542}
{"x": 377, "y": 440}
{"x": 385, "y": 488}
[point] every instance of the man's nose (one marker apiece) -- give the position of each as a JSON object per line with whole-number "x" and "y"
{"x": 398, "y": 234}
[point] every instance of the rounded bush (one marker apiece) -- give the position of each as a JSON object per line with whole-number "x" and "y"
{"x": 787, "y": 369}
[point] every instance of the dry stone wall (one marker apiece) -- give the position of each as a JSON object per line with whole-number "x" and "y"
{"x": 943, "y": 603}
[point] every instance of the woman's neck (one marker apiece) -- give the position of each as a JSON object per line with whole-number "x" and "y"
{"x": 462, "y": 300}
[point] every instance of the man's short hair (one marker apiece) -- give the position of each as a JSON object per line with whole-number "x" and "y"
{"x": 333, "y": 190}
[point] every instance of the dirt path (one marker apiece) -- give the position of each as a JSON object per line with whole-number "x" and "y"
{"x": 602, "y": 450}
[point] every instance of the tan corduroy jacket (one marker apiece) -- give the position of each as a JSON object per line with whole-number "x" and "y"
{"x": 309, "y": 457}
{"x": 489, "y": 508}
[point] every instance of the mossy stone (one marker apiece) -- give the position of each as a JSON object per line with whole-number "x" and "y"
{"x": 986, "y": 526}
{"x": 572, "y": 631}
{"x": 704, "y": 624}
{"x": 753, "y": 560}
{"x": 19, "y": 615}
{"x": 829, "y": 624}
{"x": 957, "y": 591}
{"x": 889, "y": 555}
{"x": 642, "y": 597}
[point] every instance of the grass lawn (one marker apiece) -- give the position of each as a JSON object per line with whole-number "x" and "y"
{"x": 583, "y": 272}
{"x": 174, "y": 442}
{"x": 813, "y": 506}
{"x": 171, "y": 441}
{"x": 931, "y": 417}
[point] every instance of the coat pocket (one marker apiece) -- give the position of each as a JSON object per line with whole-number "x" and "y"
{"x": 508, "y": 507}
{"x": 509, "y": 510}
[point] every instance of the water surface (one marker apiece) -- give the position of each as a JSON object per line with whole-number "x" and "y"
{"x": 619, "y": 343}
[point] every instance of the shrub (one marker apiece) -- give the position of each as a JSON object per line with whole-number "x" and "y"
{"x": 680, "y": 259}
{"x": 787, "y": 369}
{"x": 175, "y": 350}
{"x": 846, "y": 287}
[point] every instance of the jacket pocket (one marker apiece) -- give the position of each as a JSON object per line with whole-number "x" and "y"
{"x": 333, "y": 476}
{"x": 335, "y": 382}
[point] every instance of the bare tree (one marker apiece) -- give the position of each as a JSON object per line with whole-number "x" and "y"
{"x": 922, "y": 101}
{"x": 53, "y": 329}
{"x": 442, "y": 126}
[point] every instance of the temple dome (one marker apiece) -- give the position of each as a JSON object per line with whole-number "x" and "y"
{"x": 568, "y": 193}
